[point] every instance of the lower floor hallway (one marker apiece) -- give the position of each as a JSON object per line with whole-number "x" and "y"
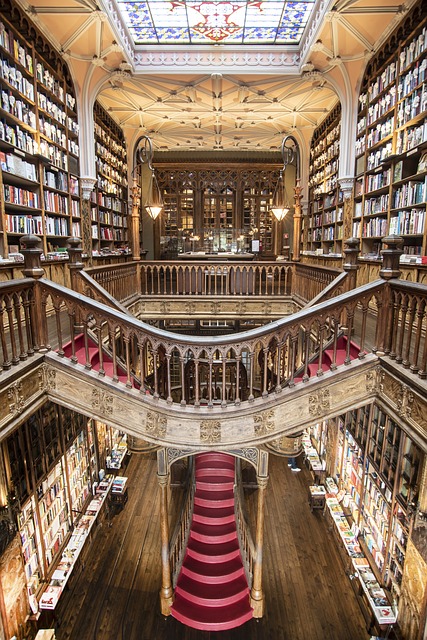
{"x": 308, "y": 595}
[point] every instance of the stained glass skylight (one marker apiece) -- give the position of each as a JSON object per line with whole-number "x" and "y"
{"x": 209, "y": 22}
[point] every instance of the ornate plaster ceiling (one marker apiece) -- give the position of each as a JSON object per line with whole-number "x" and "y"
{"x": 217, "y": 97}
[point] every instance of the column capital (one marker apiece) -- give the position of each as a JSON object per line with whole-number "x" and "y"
{"x": 346, "y": 186}
{"x": 87, "y": 184}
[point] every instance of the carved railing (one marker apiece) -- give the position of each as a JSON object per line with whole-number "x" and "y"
{"x": 179, "y": 538}
{"x": 246, "y": 541}
{"x": 225, "y": 370}
{"x": 219, "y": 278}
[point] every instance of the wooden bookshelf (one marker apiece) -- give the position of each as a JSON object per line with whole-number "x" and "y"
{"x": 391, "y": 169}
{"x": 324, "y": 223}
{"x": 109, "y": 203}
{"x": 38, "y": 141}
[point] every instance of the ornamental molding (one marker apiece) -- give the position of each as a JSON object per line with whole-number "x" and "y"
{"x": 405, "y": 401}
{"x": 47, "y": 378}
{"x": 264, "y": 423}
{"x": 373, "y": 380}
{"x": 319, "y": 403}
{"x": 16, "y": 399}
{"x": 102, "y": 401}
{"x": 156, "y": 424}
{"x": 264, "y": 60}
{"x": 210, "y": 431}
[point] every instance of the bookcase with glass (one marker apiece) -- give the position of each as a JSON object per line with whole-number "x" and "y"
{"x": 324, "y": 223}
{"x": 379, "y": 473}
{"x": 391, "y": 146}
{"x": 38, "y": 143}
{"x": 109, "y": 207}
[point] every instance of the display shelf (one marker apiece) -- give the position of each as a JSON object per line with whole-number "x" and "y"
{"x": 38, "y": 143}
{"x": 391, "y": 187}
{"x": 109, "y": 200}
{"x": 324, "y": 225}
{"x": 74, "y": 548}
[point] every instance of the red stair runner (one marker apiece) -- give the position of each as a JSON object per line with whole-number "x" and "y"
{"x": 328, "y": 358}
{"x": 212, "y": 592}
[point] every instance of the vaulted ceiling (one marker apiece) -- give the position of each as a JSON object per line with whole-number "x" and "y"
{"x": 189, "y": 97}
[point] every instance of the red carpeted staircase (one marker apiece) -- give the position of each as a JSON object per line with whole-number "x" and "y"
{"x": 93, "y": 358}
{"x": 328, "y": 361}
{"x": 212, "y": 592}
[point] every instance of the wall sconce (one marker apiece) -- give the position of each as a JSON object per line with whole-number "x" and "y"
{"x": 154, "y": 203}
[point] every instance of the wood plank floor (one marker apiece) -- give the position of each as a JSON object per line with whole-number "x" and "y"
{"x": 308, "y": 595}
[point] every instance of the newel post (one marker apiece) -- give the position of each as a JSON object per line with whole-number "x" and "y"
{"x": 350, "y": 265}
{"x": 75, "y": 265}
{"x": 32, "y": 252}
{"x": 166, "y": 591}
{"x": 390, "y": 269}
{"x": 257, "y": 595}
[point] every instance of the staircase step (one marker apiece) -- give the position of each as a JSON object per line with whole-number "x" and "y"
{"x": 209, "y": 471}
{"x": 213, "y": 552}
{"x": 209, "y": 595}
{"x": 215, "y": 515}
{"x": 215, "y": 483}
{"x": 214, "y": 498}
{"x": 214, "y": 457}
{"x": 211, "y": 618}
{"x": 213, "y": 572}
{"x": 210, "y": 533}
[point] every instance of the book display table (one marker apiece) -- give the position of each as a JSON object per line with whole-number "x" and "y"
{"x": 72, "y": 551}
{"x": 119, "y": 492}
{"x": 316, "y": 496}
{"x": 373, "y": 599}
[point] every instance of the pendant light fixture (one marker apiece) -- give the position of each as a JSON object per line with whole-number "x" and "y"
{"x": 153, "y": 203}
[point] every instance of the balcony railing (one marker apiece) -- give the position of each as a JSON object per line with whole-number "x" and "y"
{"x": 387, "y": 316}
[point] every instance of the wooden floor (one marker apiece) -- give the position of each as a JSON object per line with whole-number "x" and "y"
{"x": 308, "y": 596}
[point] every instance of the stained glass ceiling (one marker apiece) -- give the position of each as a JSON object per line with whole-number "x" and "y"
{"x": 207, "y": 22}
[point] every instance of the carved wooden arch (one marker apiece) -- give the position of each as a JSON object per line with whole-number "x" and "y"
{"x": 257, "y": 457}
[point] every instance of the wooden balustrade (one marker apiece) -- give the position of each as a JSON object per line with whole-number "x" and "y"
{"x": 246, "y": 541}
{"x": 309, "y": 280}
{"x": 179, "y": 538}
{"x": 121, "y": 281}
{"x": 224, "y": 370}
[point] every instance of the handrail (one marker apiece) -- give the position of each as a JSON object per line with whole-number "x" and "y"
{"x": 240, "y": 366}
{"x": 179, "y": 538}
{"x": 246, "y": 541}
{"x": 92, "y": 288}
{"x": 219, "y": 278}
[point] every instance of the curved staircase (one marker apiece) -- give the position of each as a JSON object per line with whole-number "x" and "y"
{"x": 212, "y": 593}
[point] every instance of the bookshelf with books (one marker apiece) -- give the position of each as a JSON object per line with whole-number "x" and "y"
{"x": 391, "y": 145}
{"x": 379, "y": 474}
{"x": 324, "y": 230}
{"x": 109, "y": 208}
{"x": 38, "y": 142}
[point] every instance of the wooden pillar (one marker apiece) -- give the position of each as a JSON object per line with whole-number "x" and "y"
{"x": 257, "y": 596}
{"x": 350, "y": 265}
{"x": 390, "y": 270}
{"x": 32, "y": 251}
{"x": 297, "y": 222}
{"x": 87, "y": 185}
{"x": 166, "y": 591}
{"x": 136, "y": 204}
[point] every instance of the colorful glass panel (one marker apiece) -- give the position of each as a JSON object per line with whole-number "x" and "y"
{"x": 210, "y": 22}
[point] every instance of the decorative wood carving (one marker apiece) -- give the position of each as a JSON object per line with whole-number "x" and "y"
{"x": 319, "y": 403}
{"x": 264, "y": 423}
{"x": 156, "y": 424}
{"x": 47, "y": 378}
{"x": 102, "y": 401}
{"x": 16, "y": 399}
{"x": 210, "y": 431}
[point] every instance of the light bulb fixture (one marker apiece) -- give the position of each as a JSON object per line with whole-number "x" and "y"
{"x": 280, "y": 206}
{"x": 153, "y": 203}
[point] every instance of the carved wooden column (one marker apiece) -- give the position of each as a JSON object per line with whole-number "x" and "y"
{"x": 297, "y": 222}
{"x": 135, "y": 218}
{"x": 166, "y": 591}
{"x": 87, "y": 185}
{"x": 390, "y": 269}
{"x": 350, "y": 265}
{"x": 257, "y": 596}
{"x": 32, "y": 251}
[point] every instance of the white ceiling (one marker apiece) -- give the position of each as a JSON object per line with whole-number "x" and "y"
{"x": 217, "y": 97}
